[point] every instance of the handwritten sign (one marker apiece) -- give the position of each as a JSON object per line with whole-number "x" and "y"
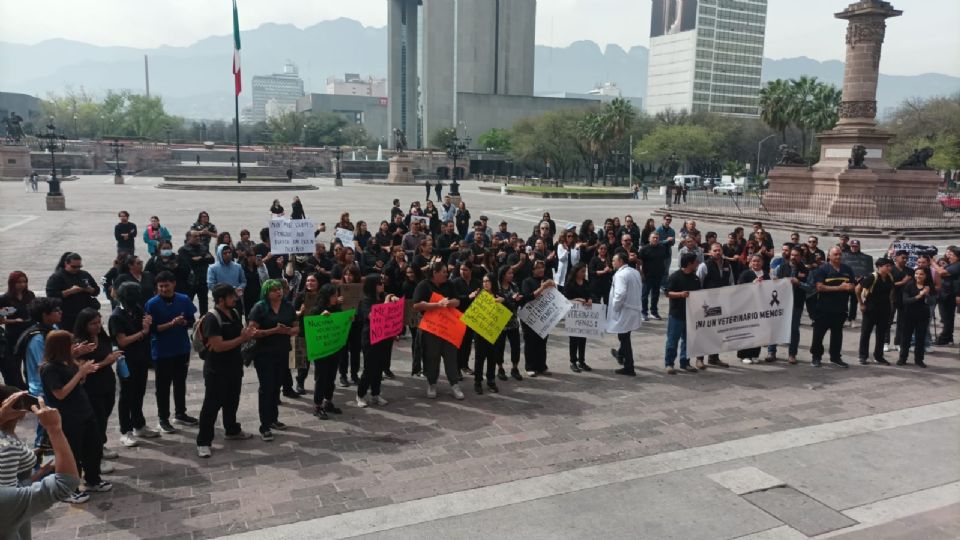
{"x": 386, "y": 321}
{"x": 326, "y": 334}
{"x": 542, "y": 314}
{"x": 351, "y": 293}
{"x": 443, "y": 323}
{"x": 486, "y": 317}
{"x": 424, "y": 221}
{"x": 914, "y": 251}
{"x": 292, "y": 236}
{"x": 583, "y": 321}
{"x": 345, "y": 236}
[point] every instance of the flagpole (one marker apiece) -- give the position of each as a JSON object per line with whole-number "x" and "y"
{"x": 236, "y": 120}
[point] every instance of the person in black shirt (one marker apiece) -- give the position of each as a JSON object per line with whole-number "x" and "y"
{"x": 325, "y": 368}
{"x": 125, "y": 233}
{"x": 198, "y": 258}
{"x": 275, "y": 322}
{"x": 223, "y": 334}
{"x": 874, "y": 294}
{"x": 433, "y": 347}
{"x": 130, "y": 331}
{"x": 74, "y": 286}
{"x": 15, "y": 316}
{"x": 651, "y": 259}
{"x": 834, "y": 283}
{"x": 577, "y": 289}
{"x": 101, "y": 386}
{"x": 467, "y": 287}
{"x": 383, "y": 236}
{"x": 63, "y": 389}
{"x": 679, "y": 285}
{"x": 796, "y": 271}
{"x": 714, "y": 272}
{"x": 949, "y": 291}
{"x": 534, "y": 346}
{"x": 755, "y": 273}
{"x": 917, "y": 302}
{"x": 131, "y": 271}
{"x": 167, "y": 259}
{"x": 376, "y": 356}
{"x": 901, "y": 275}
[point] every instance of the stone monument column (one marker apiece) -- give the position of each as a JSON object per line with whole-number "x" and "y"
{"x": 865, "y": 31}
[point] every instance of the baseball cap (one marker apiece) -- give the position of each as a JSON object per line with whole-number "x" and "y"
{"x": 484, "y": 218}
{"x": 855, "y": 243}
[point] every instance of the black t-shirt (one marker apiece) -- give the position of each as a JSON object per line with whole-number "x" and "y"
{"x": 950, "y": 284}
{"x": 679, "y": 282}
{"x": 128, "y": 324}
{"x": 103, "y": 380}
{"x": 223, "y": 361}
{"x": 833, "y": 302}
{"x": 14, "y": 330}
{"x": 652, "y": 257}
{"x": 75, "y": 408}
{"x": 266, "y": 318}
{"x": 147, "y": 283}
{"x": 879, "y": 298}
{"x": 426, "y": 288}
{"x": 128, "y": 228}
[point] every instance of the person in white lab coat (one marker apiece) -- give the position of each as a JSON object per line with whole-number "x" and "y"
{"x": 568, "y": 254}
{"x": 623, "y": 315}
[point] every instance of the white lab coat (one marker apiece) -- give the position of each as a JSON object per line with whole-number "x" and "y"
{"x": 623, "y": 313}
{"x": 562, "y": 267}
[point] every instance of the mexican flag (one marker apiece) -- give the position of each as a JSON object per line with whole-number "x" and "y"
{"x": 236, "y": 49}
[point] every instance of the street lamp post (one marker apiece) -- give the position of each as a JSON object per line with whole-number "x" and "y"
{"x": 337, "y": 154}
{"x": 53, "y": 142}
{"x": 756, "y": 173}
{"x": 456, "y": 149}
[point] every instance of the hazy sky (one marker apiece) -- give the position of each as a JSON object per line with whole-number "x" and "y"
{"x": 924, "y": 39}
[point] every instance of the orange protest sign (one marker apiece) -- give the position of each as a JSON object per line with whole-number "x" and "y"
{"x": 444, "y": 323}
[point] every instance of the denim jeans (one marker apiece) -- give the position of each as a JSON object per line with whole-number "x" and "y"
{"x": 666, "y": 271}
{"x": 676, "y": 332}
{"x": 650, "y": 293}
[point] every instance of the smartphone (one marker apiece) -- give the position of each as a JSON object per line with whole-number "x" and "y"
{"x": 25, "y": 402}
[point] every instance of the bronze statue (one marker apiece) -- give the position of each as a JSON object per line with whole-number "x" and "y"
{"x": 918, "y": 159}
{"x": 400, "y": 140}
{"x": 789, "y": 157}
{"x": 857, "y": 155}
{"x": 13, "y": 128}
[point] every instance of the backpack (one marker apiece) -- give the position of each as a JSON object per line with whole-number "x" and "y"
{"x": 23, "y": 342}
{"x": 196, "y": 336}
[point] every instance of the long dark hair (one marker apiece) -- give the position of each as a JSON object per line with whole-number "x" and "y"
{"x": 585, "y": 228}
{"x": 84, "y": 318}
{"x": 57, "y": 348}
{"x": 572, "y": 274}
{"x": 370, "y": 283}
{"x": 324, "y": 294}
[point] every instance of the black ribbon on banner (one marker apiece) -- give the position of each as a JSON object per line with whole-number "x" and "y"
{"x": 774, "y": 300}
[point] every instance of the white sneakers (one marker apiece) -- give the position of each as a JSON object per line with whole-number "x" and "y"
{"x": 747, "y": 360}
{"x": 127, "y": 439}
{"x": 145, "y": 433}
{"x": 204, "y": 451}
{"x": 106, "y": 467}
{"x": 110, "y": 453}
{"x": 432, "y": 391}
{"x": 377, "y": 400}
{"x": 362, "y": 402}
{"x": 886, "y": 347}
{"x": 457, "y": 393}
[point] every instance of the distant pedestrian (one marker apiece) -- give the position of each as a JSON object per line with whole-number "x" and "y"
{"x": 427, "y": 186}
{"x": 298, "y": 212}
{"x": 645, "y": 190}
{"x": 198, "y": 159}
{"x": 438, "y": 189}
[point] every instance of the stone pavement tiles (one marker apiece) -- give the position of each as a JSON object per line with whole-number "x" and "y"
{"x": 416, "y": 448}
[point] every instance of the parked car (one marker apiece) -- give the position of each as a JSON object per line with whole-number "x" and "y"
{"x": 949, "y": 201}
{"x": 728, "y": 188}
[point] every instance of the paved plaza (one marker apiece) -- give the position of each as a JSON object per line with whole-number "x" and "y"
{"x": 768, "y": 451}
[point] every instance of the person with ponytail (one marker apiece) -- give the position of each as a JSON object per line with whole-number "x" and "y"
{"x": 325, "y": 368}
{"x": 275, "y": 322}
{"x": 130, "y": 331}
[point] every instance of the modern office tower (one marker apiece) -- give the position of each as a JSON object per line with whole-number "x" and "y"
{"x": 281, "y": 89}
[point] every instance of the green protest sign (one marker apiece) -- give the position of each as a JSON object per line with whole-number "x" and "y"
{"x": 326, "y": 334}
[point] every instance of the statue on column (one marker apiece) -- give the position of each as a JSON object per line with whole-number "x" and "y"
{"x": 400, "y": 140}
{"x": 13, "y": 127}
{"x": 918, "y": 159}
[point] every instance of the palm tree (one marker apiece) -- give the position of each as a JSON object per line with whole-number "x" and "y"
{"x": 826, "y": 101}
{"x": 774, "y": 105}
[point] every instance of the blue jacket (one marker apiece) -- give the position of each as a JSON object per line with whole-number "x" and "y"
{"x": 172, "y": 341}
{"x": 230, "y": 273}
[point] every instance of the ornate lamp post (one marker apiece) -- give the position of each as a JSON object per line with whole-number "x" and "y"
{"x": 456, "y": 149}
{"x": 53, "y": 142}
{"x": 337, "y": 155}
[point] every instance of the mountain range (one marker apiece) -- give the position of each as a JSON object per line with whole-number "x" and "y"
{"x": 196, "y": 81}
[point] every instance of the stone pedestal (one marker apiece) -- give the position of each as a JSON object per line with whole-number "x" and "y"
{"x": 401, "y": 170}
{"x": 56, "y": 202}
{"x": 118, "y": 179}
{"x": 14, "y": 162}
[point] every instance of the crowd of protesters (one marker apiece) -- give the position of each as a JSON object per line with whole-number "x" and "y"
{"x": 59, "y": 348}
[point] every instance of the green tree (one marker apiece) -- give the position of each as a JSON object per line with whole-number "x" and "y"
{"x": 324, "y": 129}
{"x": 355, "y": 135}
{"x": 685, "y": 143}
{"x": 442, "y": 137}
{"x": 495, "y": 140}
{"x": 933, "y": 122}
{"x": 286, "y": 128}
{"x": 774, "y": 104}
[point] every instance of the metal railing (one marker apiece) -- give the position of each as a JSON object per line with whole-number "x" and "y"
{"x": 826, "y": 210}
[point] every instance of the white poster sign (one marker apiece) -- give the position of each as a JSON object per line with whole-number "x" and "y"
{"x": 914, "y": 251}
{"x": 424, "y": 221}
{"x": 345, "y": 236}
{"x": 739, "y": 317}
{"x": 542, "y": 314}
{"x": 583, "y": 321}
{"x": 289, "y": 236}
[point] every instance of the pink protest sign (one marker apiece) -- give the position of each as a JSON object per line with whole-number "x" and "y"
{"x": 386, "y": 321}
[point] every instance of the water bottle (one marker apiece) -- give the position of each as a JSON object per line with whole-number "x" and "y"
{"x": 122, "y": 369}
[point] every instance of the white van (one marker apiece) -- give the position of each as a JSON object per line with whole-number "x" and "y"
{"x": 689, "y": 181}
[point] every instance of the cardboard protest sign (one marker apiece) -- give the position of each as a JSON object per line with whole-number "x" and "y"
{"x": 486, "y": 317}
{"x": 444, "y": 323}
{"x": 386, "y": 321}
{"x": 583, "y": 321}
{"x": 291, "y": 236}
{"x": 542, "y": 314}
{"x": 326, "y": 334}
{"x": 351, "y": 293}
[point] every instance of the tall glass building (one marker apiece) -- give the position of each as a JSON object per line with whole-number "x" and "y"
{"x": 706, "y": 55}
